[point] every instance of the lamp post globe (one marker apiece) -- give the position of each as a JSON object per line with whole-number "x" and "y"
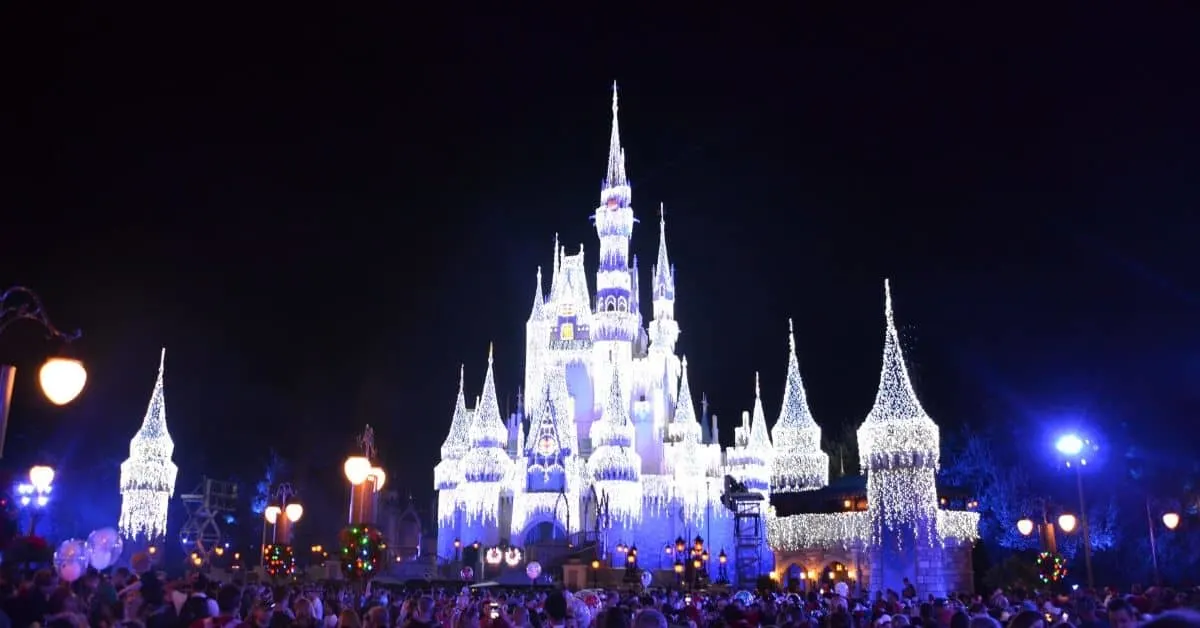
{"x": 293, "y": 512}
{"x": 1067, "y": 522}
{"x": 1171, "y": 520}
{"x": 379, "y": 476}
{"x": 62, "y": 379}
{"x": 357, "y": 468}
{"x": 271, "y": 514}
{"x": 41, "y": 477}
{"x": 1025, "y": 527}
{"x": 1069, "y": 445}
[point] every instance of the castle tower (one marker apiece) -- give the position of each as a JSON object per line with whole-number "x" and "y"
{"x": 799, "y": 463}
{"x": 486, "y": 465}
{"x": 148, "y": 475}
{"x": 448, "y": 473}
{"x": 750, "y": 459}
{"x": 899, "y": 449}
{"x": 537, "y": 335}
{"x": 614, "y": 466}
{"x": 615, "y": 326}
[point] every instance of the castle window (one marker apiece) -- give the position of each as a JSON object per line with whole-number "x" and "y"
{"x": 566, "y": 332}
{"x": 622, "y": 305}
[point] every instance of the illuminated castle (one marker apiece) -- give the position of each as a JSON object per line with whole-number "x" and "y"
{"x": 608, "y": 437}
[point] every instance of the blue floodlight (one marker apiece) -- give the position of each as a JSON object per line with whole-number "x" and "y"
{"x": 1069, "y": 445}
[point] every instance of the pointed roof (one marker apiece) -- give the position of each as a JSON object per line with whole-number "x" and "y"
{"x": 635, "y": 289}
{"x": 614, "y": 427}
{"x": 153, "y": 440}
{"x": 796, "y": 423}
{"x": 539, "y": 301}
{"x": 457, "y": 443}
{"x": 615, "y": 177}
{"x": 664, "y": 273}
{"x": 759, "y": 438}
{"x": 684, "y": 425}
{"x": 554, "y": 269}
{"x": 545, "y": 442}
{"x": 897, "y": 423}
{"x": 895, "y": 400}
{"x": 487, "y": 427}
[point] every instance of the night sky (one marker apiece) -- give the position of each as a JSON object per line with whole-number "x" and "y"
{"x": 321, "y": 214}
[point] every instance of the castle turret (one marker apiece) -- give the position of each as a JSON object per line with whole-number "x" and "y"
{"x": 448, "y": 473}
{"x": 537, "y": 335}
{"x": 750, "y": 459}
{"x": 614, "y": 466}
{"x": 486, "y": 464}
{"x": 799, "y": 463}
{"x": 899, "y": 448}
{"x": 148, "y": 475}
{"x": 683, "y": 425}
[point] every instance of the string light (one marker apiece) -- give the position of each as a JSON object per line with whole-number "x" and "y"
{"x": 148, "y": 475}
{"x": 486, "y": 465}
{"x": 615, "y": 467}
{"x": 750, "y": 459}
{"x": 799, "y": 463}
{"x": 546, "y": 451}
{"x": 845, "y": 529}
{"x": 362, "y": 549}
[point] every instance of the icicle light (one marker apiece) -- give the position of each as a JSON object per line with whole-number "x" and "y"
{"x": 614, "y": 465}
{"x": 148, "y": 475}
{"x": 799, "y": 463}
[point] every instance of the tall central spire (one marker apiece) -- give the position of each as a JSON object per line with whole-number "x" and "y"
{"x": 616, "y": 155}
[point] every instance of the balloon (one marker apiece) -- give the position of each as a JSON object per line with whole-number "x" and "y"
{"x": 646, "y": 578}
{"x": 581, "y": 611}
{"x": 745, "y": 597}
{"x": 71, "y": 559}
{"x": 842, "y": 589}
{"x": 533, "y": 570}
{"x": 467, "y": 573}
{"x": 106, "y": 547}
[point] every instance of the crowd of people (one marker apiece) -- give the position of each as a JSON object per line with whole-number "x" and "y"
{"x": 123, "y": 600}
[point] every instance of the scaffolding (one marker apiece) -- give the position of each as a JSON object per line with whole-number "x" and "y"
{"x": 201, "y": 533}
{"x": 747, "y": 531}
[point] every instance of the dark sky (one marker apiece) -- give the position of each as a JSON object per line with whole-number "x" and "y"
{"x": 321, "y": 213}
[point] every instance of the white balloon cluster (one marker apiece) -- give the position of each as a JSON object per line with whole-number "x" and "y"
{"x": 101, "y": 550}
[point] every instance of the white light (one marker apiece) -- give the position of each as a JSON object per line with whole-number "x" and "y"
{"x": 41, "y": 477}
{"x": 799, "y": 464}
{"x": 62, "y": 380}
{"x": 1171, "y": 520}
{"x": 42, "y": 500}
{"x": 494, "y": 556}
{"x": 1067, "y": 522}
{"x": 293, "y": 512}
{"x": 148, "y": 475}
{"x": 1069, "y": 445}
{"x": 457, "y": 443}
{"x": 486, "y": 465}
{"x": 615, "y": 467}
{"x": 899, "y": 447}
{"x": 1025, "y": 527}
{"x": 357, "y": 469}
{"x": 271, "y": 514}
{"x": 379, "y": 477}
{"x": 512, "y": 557}
{"x": 751, "y": 458}
{"x": 846, "y": 529}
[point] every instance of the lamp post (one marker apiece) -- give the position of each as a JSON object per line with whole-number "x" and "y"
{"x": 1170, "y": 519}
{"x": 595, "y": 572}
{"x": 722, "y": 573}
{"x": 35, "y": 495}
{"x": 1075, "y": 451}
{"x": 366, "y": 480}
{"x": 1046, "y": 533}
{"x": 61, "y": 378}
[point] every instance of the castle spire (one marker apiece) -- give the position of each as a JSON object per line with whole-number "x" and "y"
{"x": 799, "y": 463}
{"x": 148, "y": 475}
{"x": 664, "y": 274}
{"x": 487, "y": 428}
{"x": 897, "y": 422}
{"x": 684, "y": 426}
{"x": 539, "y": 301}
{"x": 760, "y": 439}
{"x": 616, "y": 155}
{"x": 457, "y": 442}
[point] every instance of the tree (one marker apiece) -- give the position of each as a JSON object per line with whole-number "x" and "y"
{"x": 1004, "y": 495}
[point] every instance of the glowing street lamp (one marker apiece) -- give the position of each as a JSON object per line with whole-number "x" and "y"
{"x": 1171, "y": 520}
{"x": 61, "y": 378}
{"x": 1025, "y": 527}
{"x": 1075, "y": 451}
{"x": 1067, "y": 522}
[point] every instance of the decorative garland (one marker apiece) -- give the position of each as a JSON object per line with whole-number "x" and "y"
{"x": 1051, "y": 567}
{"x": 280, "y": 560}
{"x": 362, "y": 551}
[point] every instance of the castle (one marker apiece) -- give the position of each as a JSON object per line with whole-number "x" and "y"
{"x": 608, "y": 439}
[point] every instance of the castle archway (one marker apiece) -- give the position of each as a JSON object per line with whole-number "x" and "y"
{"x": 543, "y": 532}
